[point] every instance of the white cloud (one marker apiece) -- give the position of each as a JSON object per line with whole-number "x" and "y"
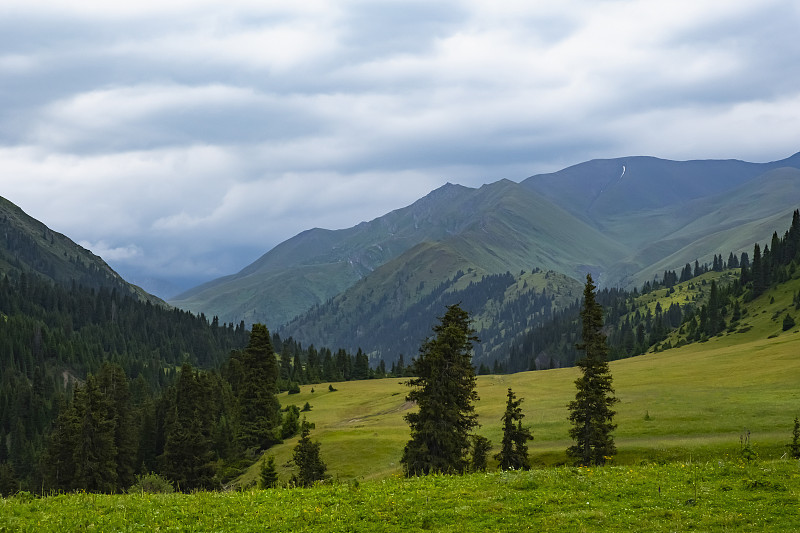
{"x": 111, "y": 253}
{"x": 186, "y": 137}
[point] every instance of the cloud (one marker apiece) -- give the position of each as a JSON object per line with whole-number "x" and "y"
{"x": 111, "y": 253}
{"x": 182, "y": 139}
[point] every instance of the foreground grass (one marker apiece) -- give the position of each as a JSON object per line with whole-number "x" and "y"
{"x": 709, "y": 496}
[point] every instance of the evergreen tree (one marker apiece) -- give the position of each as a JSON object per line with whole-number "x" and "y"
{"x": 794, "y": 447}
{"x": 310, "y": 466}
{"x": 480, "y": 453}
{"x": 715, "y": 322}
{"x": 259, "y": 409}
{"x": 93, "y": 453}
{"x": 57, "y": 464}
{"x": 590, "y": 413}
{"x": 114, "y": 384}
{"x": 9, "y": 484}
{"x": 291, "y": 422}
{"x": 757, "y": 273}
{"x": 361, "y": 365}
{"x": 268, "y": 474}
{"x": 188, "y": 455}
{"x": 514, "y": 448}
{"x": 444, "y": 391}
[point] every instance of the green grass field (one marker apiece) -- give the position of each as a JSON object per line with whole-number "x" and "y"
{"x": 695, "y": 401}
{"x": 706, "y": 496}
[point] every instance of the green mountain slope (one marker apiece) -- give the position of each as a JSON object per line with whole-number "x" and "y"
{"x": 498, "y": 227}
{"x": 388, "y": 312}
{"x": 722, "y": 223}
{"x": 623, "y": 226}
{"x": 27, "y": 245}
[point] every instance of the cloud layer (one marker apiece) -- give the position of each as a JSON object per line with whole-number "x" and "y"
{"x": 182, "y": 139}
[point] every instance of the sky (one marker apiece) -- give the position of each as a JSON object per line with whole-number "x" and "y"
{"x": 182, "y": 139}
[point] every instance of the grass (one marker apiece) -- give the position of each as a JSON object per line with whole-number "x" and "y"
{"x": 709, "y": 496}
{"x": 693, "y": 401}
{"x": 697, "y": 400}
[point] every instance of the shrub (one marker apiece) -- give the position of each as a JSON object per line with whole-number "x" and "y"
{"x": 151, "y": 484}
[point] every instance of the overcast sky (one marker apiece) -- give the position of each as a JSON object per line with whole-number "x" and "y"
{"x": 182, "y": 139}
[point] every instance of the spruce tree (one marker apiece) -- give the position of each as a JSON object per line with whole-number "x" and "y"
{"x": 310, "y": 466}
{"x": 794, "y": 447}
{"x": 480, "y": 453}
{"x": 514, "y": 448}
{"x": 258, "y": 407}
{"x": 444, "y": 391}
{"x": 590, "y": 413}
{"x": 188, "y": 457}
{"x": 93, "y": 453}
{"x": 268, "y": 475}
{"x": 114, "y": 385}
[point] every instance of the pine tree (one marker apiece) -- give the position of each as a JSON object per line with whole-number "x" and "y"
{"x": 93, "y": 453}
{"x": 514, "y": 448}
{"x": 268, "y": 474}
{"x": 310, "y": 466}
{"x": 481, "y": 446}
{"x": 444, "y": 391}
{"x": 188, "y": 456}
{"x": 794, "y": 447}
{"x": 590, "y": 413}
{"x": 259, "y": 409}
{"x": 114, "y": 384}
{"x": 9, "y": 484}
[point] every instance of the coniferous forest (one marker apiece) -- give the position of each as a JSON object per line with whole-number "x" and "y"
{"x": 98, "y": 387}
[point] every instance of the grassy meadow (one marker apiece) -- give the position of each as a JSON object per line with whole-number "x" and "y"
{"x": 701, "y": 496}
{"x": 695, "y": 401}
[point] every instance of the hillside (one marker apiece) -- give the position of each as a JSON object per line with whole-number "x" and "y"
{"x": 695, "y": 401}
{"x": 27, "y": 245}
{"x": 495, "y": 228}
{"x": 623, "y": 227}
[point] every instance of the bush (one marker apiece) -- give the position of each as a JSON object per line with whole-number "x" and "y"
{"x": 151, "y": 484}
{"x": 788, "y": 322}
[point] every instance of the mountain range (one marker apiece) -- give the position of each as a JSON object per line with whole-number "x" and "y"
{"x": 507, "y": 248}
{"x": 623, "y": 220}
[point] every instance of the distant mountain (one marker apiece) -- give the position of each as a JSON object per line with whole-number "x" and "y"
{"x": 673, "y": 212}
{"x": 495, "y": 228}
{"x": 28, "y": 246}
{"x": 624, "y": 220}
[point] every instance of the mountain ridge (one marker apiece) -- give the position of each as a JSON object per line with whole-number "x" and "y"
{"x": 624, "y": 226}
{"x": 29, "y": 246}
